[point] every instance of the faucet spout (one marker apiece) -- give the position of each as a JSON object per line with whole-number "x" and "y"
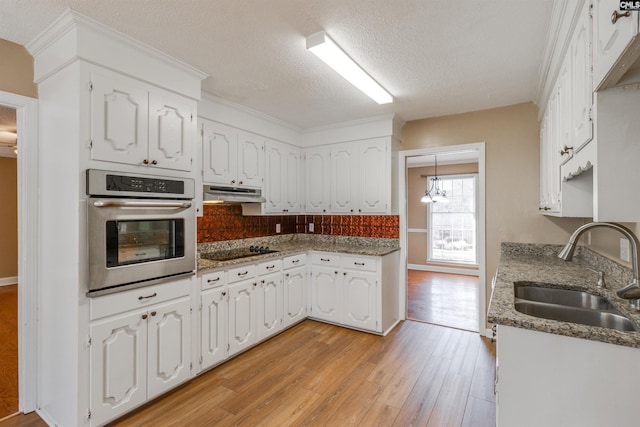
{"x": 632, "y": 290}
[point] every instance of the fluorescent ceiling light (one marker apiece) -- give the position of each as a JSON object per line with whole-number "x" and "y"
{"x": 327, "y": 50}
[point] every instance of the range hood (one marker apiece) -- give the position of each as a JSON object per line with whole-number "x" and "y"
{"x": 214, "y": 194}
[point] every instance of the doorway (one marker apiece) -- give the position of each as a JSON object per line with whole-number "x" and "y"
{"x": 8, "y": 263}
{"x": 26, "y": 112}
{"x": 442, "y": 238}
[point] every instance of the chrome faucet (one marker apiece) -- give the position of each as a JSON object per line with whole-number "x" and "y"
{"x": 632, "y": 290}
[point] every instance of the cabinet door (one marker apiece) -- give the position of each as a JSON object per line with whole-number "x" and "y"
{"x": 344, "y": 179}
{"x": 318, "y": 180}
{"x": 213, "y": 320}
{"x": 295, "y": 295}
{"x": 169, "y": 351}
{"x": 360, "y": 300}
{"x": 610, "y": 38}
{"x": 582, "y": 96}
{"x": 325, "y": 294}
{"x": 242, "y": 313}
{"x": 219, "y": 154}
{"x": 171, "y": 131}
{"x": 275, "y": 178}
{"x": 118, "y": 357}
{"x": 270, "y": 301}
{"x": 292, "y": 180}
{"x": 250, "y": 160}
{"x": 373, "y": 181}
{"x": 119, "y": 120}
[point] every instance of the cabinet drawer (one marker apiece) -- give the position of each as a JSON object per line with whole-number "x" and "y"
{"x": 294, "y": 261}
{"x": 269, "y": 266}
{"x": 332, "y": 260}
{"x": 359, "y": 263}
{"x": 241, "y": 273}
{"x": 108, "y": 305}
{"x": 214, "y": 279}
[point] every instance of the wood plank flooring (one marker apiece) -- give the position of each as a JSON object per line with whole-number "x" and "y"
{"x": 443, "y": 299}
{"x": 8, "y": 350}
{"x": 316, "y": 374}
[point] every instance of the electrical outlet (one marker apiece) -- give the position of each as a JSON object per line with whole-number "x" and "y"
{"x": 277, "y": 228}
{"x": 311, "y": 227}
{"x": 624, "y": 249}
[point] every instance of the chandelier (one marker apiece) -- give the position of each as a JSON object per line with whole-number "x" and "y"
{"x": 434, "y": 193}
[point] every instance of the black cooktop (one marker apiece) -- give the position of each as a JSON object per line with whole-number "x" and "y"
{"x": 229, "y": 254}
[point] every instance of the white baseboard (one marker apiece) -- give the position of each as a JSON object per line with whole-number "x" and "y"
{"x": 440, "y": 269}
{"x": 4, "y": 281}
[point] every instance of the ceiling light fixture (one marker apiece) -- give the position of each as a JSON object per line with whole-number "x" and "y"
{"x": 439, "y": 195}
{"x": 327, "y": 50}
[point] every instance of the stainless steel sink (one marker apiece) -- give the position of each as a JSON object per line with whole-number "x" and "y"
{"x": 568, "y": 305}
{"x": 583, "y": 316}
{"x": 566, "y": 297}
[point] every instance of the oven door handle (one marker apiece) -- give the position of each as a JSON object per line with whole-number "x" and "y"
{"x": 140, "y": 204}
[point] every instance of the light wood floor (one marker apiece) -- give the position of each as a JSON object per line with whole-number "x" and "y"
{"x": 443, "y": 299}
{"x": 8, "y": 350}
{"x": 323, "y": 375}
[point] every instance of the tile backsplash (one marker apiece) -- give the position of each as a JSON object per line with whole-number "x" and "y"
{"x": 225, "y": 222}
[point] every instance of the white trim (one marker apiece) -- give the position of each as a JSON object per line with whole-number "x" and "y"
{"x": 28, "y": 244}
{"x": 417, "y": 230}
{"x": 441, "y": 269}
{"x": 5, "y": 281}
{"x": 402, "y": 195}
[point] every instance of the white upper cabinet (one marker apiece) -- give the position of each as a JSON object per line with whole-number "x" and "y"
{"x": 283, "y": 178}
{"x": 344, "y": 179}
{"x": 374, "y": 177}
{"x": 616, "y": 45}
{"x": 137, "y": 124}
{"x": 361, "y": 177}
{"x": 231, "y": 157}
{"x": 581, "y": 86}
{"x": 318, "y": 180}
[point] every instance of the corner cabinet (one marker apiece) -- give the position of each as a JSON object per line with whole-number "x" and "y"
{"x": 318, "y": 180}
{"x": 138, "y": 124}
{"x": 231, "y": 157}
{"x": 136, "y": 355}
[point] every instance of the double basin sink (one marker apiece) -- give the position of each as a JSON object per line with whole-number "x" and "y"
{"x": 569, "y": 306}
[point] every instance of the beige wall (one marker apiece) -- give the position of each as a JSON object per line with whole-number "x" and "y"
{"x": 512, "y": 152}
{"x": 417, "y": 245}
{"x": 16, "y": 70}
{"x": 8, "y": 217}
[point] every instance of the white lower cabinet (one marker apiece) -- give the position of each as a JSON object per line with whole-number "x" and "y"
{"x": 326, "y": 287}
{"x": 136, "y": 356}
{"x": 355, "y": 291}
{"x": 214, "y": 306}
{"x": 360, "y": 299}
{"x": 295, "y": 295}
{"x": 544, "y": 379}
{"x": 243, "y": 310}
{"x": 270, "y": 301}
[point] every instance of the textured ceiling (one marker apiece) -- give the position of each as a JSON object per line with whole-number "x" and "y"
{"x": 435, "y": 57}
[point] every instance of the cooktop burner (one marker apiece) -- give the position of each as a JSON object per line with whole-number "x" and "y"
{"x": 230, "y": 254}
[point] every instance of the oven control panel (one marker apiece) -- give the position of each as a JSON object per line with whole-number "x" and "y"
{"x": 122, "y": 184}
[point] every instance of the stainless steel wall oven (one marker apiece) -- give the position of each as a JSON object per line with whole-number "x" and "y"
{"x": 141, "y": 230}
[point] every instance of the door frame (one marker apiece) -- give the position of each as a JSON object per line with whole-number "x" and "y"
{"x": 402, "y": 194}
{"x": 28, "y": 246}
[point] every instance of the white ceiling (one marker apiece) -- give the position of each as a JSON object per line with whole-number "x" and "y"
{"x": 435, "y": 57}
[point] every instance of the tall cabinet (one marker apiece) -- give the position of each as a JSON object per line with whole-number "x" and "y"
{"x": 104, "y": 111}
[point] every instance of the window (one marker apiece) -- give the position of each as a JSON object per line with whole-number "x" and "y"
{"x": 452, "y": 226}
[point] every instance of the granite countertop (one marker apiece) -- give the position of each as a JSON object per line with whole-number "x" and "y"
{"x": 294, "y": 244}
{"x": 540, "y": 264}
